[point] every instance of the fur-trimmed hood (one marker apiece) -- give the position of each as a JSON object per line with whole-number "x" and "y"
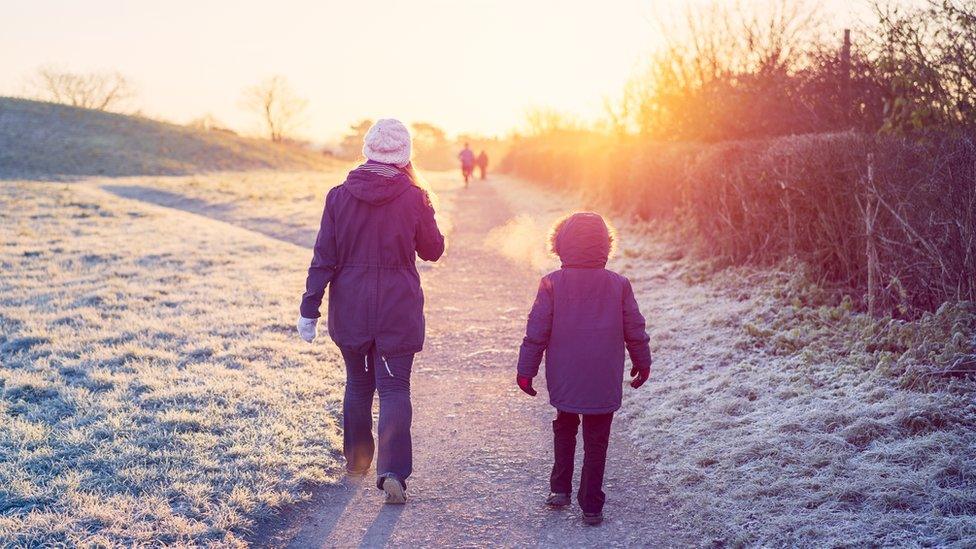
{"x": 582, "y": 239}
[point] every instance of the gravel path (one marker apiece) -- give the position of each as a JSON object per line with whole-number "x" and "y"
{"x": 482, "y": 448}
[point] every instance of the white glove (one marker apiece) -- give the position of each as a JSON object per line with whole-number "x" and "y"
{"x": 306, "y": 328}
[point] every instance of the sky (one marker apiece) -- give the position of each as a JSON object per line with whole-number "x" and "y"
{"x": 465, "y": 65}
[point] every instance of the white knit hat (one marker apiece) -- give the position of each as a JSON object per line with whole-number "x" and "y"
{"x": 388, "y": 141}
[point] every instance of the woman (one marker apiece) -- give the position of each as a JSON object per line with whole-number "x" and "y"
{"x": 373, "y": 227}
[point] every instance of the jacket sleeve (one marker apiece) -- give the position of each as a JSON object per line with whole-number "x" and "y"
{"x": 428, "y": 240}
{"x": 323, "y": 263}
{"x": 537, "y": 331}
{"x": 635, "y": 335}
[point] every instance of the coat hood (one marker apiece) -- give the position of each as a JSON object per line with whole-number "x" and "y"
{"x": 582, "y": 240}
{"x": 377, "y": 183}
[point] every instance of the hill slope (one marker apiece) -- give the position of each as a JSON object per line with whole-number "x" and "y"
{"x": 40, "y": 139}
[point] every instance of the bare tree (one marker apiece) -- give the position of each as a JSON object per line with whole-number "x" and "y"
{"x": 924, "y": 59}
{"x": 541, "y": 120}
{"x": 725, "y": 72}
{"x": 92, "y": 90}
{"x": 280, "y": 108}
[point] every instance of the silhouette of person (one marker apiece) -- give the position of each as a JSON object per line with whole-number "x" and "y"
{"x": 467, "y": 163}
{"x": 482, "y": 162}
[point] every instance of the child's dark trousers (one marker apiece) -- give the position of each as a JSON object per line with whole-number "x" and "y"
{"x": 596, "y": 439}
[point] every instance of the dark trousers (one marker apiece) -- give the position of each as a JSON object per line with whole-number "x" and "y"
{"x": 390, "y": 377}
{"x": 596, "y": 439}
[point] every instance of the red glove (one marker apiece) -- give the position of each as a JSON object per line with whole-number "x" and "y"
{"x": 525, "y": 383}
{"x": 640, "y": 375}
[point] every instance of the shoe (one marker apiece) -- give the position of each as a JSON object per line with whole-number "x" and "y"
{"x": 557, "y": 500}
{"x": 396, "y": 494}
{"x": 357, "y": 473}
{"x": 592, "y": 519}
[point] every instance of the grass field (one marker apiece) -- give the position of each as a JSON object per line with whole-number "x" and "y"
{"x": 152, "y": 390}
{"x": 41, "y": 140}
{"x": 286, "y": 206}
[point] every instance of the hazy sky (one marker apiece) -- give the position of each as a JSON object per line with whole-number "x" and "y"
{"x": 467, "y": 65}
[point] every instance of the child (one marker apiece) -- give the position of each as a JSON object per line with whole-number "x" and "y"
{"x": 583, "y": 317}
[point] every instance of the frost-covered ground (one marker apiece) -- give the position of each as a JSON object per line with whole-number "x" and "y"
{"x": 776, "y": 416}
{"x": 151, "y": 388}
{"x": 143, "y": 396}
{"x": 286, "y": 206}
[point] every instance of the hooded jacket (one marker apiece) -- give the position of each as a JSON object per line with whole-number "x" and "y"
{"x": 373, "y": 228}
{"x": 583, "y": 317}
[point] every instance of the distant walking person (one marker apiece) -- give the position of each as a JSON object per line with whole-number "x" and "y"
{"x": 482, "y": 162}
{"x": 583, "y": 317}
{"x": 373, "y": 227}
{"x": 466, "y": 156}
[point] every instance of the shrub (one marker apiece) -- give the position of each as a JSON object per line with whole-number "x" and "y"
{"x": 806, "y": 197}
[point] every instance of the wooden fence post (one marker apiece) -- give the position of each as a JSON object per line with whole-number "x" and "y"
{"x": 787, "y": 202}
{"x": 845, "y": 77}
{"x": 870, "y": 216}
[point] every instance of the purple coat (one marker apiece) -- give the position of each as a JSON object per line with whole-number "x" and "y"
{"x": 583, "y": 317}
{"x": 373, "y": 228}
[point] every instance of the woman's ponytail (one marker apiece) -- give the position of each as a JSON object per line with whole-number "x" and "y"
{"x": 415, "y": 176}
{"x": 420, "y": 181}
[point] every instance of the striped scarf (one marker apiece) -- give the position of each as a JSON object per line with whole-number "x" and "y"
{"x": 380, "y": 169}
